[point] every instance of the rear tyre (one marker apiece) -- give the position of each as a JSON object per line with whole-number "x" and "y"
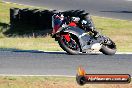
{"x": 72, "y": 47}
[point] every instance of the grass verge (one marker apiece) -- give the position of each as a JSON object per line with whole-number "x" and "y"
{"x": 51, "y": 82}
{"x": 118, "y": 30}
{"x": 45, "y": 44}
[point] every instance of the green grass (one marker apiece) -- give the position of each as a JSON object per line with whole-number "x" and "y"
{"x": 118, "y": 30}
{"x": 46, "y": 44}
{"x": 4, "y": 11}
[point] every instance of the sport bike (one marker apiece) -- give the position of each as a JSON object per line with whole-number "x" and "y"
{"x": 75, "y": 40}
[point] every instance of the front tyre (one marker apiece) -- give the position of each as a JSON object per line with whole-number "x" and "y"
{"x": 108, "y": 48}
{"x": 72, "y": 47}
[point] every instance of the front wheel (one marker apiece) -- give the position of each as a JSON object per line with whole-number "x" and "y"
{"x": 108, "y": 48}
{"x": 71, "y": 47}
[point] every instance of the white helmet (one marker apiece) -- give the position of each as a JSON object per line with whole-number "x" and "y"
{"x": 75, "y": 19}
{"x": 84, "y": 22}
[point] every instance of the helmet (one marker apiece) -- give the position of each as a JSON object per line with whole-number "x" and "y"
{"x": 75, "y": 19}
{"x": 84, "y": 22}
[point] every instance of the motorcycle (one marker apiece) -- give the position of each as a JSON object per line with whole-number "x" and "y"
{"x": 75, "y": 40}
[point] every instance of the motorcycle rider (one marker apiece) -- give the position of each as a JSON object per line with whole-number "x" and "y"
{"x": 84, "y": 22}
{"x": 88, "y": 25}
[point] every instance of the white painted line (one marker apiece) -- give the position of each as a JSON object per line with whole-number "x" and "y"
{"x": 89, "y": 53}
{"x": 16, "y": 3}
{"x": 69, "y": 76}
{"x": 22, "y": 4}
{"x": 124, "y": 53}
{"x": 37, "y": 75}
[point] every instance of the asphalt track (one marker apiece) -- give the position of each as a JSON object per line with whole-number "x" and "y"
{"x": 18, "y": 62}
{"x": 119, "y": 9}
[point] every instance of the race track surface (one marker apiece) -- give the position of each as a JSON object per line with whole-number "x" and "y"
{"x": 59, "y": 63}
{"x": 119, "y": 9}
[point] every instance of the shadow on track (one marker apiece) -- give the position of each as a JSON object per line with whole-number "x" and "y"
{"x": 31, "y": 51}
{"x": 44, "y": 52}
{"x": 52, "y": 52}
{"x": 36, "y": 51}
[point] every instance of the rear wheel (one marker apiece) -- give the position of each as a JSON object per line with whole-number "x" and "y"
{"x": 108, "y": 48}
{"x": 71, "y": 47}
